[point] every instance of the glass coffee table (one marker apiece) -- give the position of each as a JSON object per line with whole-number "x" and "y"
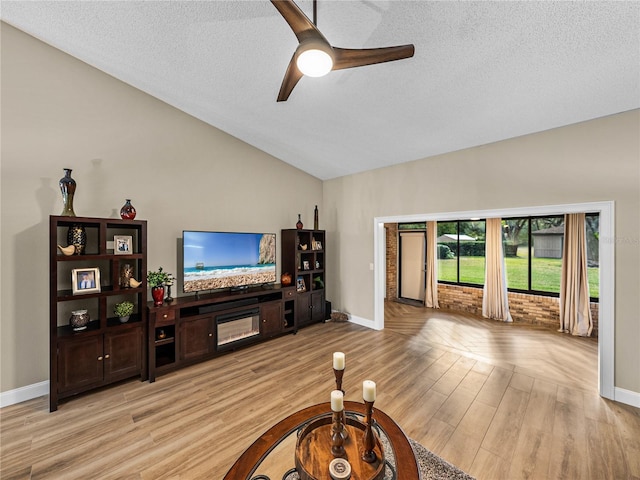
{"x": 272, "y": 456}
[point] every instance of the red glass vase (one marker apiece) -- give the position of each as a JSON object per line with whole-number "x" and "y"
{"x": 127, "y": 212}
{"x": 158, "y": 295}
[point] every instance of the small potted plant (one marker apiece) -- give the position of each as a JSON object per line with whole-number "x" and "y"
{"x": 157, "y": 281}
{"x": 123, "y": 310}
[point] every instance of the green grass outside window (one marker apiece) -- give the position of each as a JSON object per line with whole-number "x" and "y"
{"x": 545, "y": 275}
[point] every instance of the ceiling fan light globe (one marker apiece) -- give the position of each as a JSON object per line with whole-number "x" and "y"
{"x": 313, "y": 61}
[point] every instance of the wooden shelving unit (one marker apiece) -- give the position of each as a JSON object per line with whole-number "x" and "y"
{"x": 303, "y": 256}
{"x": 107, "y": 350}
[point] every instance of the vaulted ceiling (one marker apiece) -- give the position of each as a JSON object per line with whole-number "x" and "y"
{"x": 482, "y": 72}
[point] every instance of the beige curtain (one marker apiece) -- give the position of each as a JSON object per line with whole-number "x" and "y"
{"x": 575, "y": 314}
{"x": 495, "y": 303}
{"x": 431, "y": 293}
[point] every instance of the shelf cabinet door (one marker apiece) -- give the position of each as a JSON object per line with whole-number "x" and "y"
{"x": 310, "y": 307}
{"x": 317, "y": 306}
{"x": 197, "y": 337}
{"x": 80, "y": 363}
{"x": 271, "y": 319}
{"x": 122, "y": 354}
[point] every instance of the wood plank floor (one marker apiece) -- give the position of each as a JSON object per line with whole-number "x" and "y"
{"x": 499, "y": 401}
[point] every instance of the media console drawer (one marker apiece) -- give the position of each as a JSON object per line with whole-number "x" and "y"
{"x": 164, "y": 316}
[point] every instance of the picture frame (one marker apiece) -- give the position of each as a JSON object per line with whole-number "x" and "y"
{"x": 300, "y": 285}
{"x": 85, "y": 280}
{"x": 122, "y": 245}
{"x": 317, "y": 245}
{"x": 305, "y": 265}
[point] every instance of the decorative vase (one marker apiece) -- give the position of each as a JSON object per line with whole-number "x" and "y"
{"x": 79, "y": 320}
{"x": 77, "y": 237}
{"x": 68, "y": 189}
{"x": 285, "y": 279}
{"x": 158, "y": 295}
{"x": 124, "y": 319}
{"x": 126, "y": 273}
{"x": 127, "y": 212}
{"x": 315, "y": 218}
{"x": 299, "y": 224}
{"x": 169, "y": 298}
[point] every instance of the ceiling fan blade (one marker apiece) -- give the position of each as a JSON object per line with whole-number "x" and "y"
{"x": 291, "y": 78}
{"x": 348, "y": 58}
{"x": 297, "y": 20}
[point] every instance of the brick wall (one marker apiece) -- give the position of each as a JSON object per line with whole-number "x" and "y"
{"x": 465, "y": 299}
{"x": 533, "y": 309}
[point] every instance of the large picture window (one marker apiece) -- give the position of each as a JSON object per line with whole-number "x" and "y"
{"x": 533, "y": 249}
{"x": 461, "y": 246}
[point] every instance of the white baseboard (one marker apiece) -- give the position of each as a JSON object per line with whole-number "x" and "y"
{"x": 23, "y": 394}
{"x": 365, "y": 322}
{"x": 627, "y": 397}
{"x": 36, "y": 390}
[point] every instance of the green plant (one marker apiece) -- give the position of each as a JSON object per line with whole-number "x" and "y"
{"x": 159, "y": 278}
{"x": 444, "y": 251}
{"x": 123, "y": 309}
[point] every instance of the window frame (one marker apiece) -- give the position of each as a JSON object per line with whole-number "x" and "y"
{"x": 458, "y": 282}
{"x": 531, "y": 291}
{"x": 529, "y": 219}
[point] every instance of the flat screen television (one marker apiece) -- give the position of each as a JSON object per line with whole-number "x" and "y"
{"x": 219, "y": 260}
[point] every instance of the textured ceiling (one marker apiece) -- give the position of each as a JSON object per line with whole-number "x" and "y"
{"x": 482, "y": 71}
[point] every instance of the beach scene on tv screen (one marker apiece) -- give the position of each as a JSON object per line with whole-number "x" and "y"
{"x": 215, "y": 260}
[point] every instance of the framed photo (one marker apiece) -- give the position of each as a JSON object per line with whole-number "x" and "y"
{"x": 305, "y": 265}
{"x": 300, "y": 285}
{"x": 122, "y": 245}
{"x": 317, "y": 245}
{"x": 85, "y": 280}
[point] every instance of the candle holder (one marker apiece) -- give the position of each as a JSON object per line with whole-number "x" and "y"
{"x": 337, "y": 436}
{"x": 368, "y": 455}
{"x": 339, "y": 374}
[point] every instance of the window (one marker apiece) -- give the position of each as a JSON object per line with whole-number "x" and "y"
{"x": 461, "y": 246}
{"x": 533, "y": 249}
{"x": 447, "y": 252}
{"x": 516, "y": 252}
{"x": 547, "y": 236}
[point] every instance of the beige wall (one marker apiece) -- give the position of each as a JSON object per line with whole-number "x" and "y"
{"x": 179, "y": 172}
{"x": 182, "y": 174}
{"x": 592, "y": 161}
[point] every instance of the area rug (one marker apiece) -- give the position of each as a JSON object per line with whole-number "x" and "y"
{"x": 435, "y": 468}
{"x": 431, "y": 466}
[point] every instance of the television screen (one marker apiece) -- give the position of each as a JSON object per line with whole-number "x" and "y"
{"x": 215, "y": 260}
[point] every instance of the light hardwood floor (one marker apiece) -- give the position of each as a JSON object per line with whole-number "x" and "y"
{"x": 499, "y": 401}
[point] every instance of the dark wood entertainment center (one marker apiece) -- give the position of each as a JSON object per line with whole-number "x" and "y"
{"x": 195, "y": 328}
{"x": 156, "y": 340}
{"x": 192, "y": 329}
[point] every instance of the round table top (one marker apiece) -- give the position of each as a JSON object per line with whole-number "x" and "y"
{"x": 248, "y": 462}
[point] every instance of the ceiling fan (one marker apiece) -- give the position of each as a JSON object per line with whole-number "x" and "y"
{"x": 316, "y": 57}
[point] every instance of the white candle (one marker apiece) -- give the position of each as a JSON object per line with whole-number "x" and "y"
{"x": 337, "y": 401}
{"x": 338, "y": 361}
{"x": 369, "y": 391}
